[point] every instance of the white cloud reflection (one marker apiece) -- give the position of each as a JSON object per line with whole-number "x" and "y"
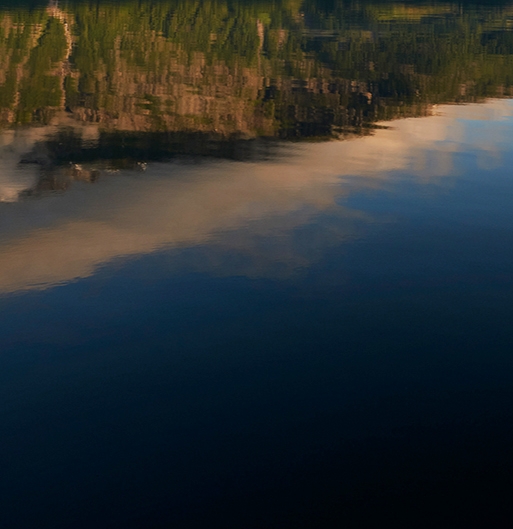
{"x": 67, "y": 236}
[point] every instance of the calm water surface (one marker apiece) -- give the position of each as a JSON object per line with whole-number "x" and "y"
{"x": 256, "y": 264}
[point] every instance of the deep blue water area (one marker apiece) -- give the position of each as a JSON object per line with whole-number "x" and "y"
{"x": 377, "y": 380}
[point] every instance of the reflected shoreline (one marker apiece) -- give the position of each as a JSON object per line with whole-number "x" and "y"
{"x": 228, "y": 72}
{"x": 249, "y": 101}
{"x": 111, "y": 86}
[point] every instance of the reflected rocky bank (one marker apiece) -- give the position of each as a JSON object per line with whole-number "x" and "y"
{"x": 128, "y": 82}
{"x": 92, "y": 91}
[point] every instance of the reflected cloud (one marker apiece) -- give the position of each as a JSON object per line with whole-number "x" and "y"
{"x": 230, "y": 205}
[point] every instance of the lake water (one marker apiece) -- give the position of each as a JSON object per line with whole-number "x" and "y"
{"x": 256, "y": 264}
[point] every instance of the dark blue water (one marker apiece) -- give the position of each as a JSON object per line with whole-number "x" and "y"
{"x": 304, "y": 368}
{"x": 264, "y": 334}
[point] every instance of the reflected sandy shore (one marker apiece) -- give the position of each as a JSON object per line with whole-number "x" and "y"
{"x": 62, "y": 237}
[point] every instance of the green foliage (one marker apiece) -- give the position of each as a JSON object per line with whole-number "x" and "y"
{"x": 289, "y": 67}
{"x": 40, "y": 89}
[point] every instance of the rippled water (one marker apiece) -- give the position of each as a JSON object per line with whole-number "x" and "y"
{"x": 256, "y": 264}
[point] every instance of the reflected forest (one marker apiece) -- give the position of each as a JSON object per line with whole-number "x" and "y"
{"x": 168, "y": 75}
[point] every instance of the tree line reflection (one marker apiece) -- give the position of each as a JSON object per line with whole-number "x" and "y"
{"x": 225, "y": 71}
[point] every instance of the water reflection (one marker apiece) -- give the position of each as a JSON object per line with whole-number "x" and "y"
{"x": 255, "y": 262}
{"x": 118, "y": 85}
{"x": 287, "y": 68}
{"x": 127, "y": 213}
{"x": 110, "y": 93}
